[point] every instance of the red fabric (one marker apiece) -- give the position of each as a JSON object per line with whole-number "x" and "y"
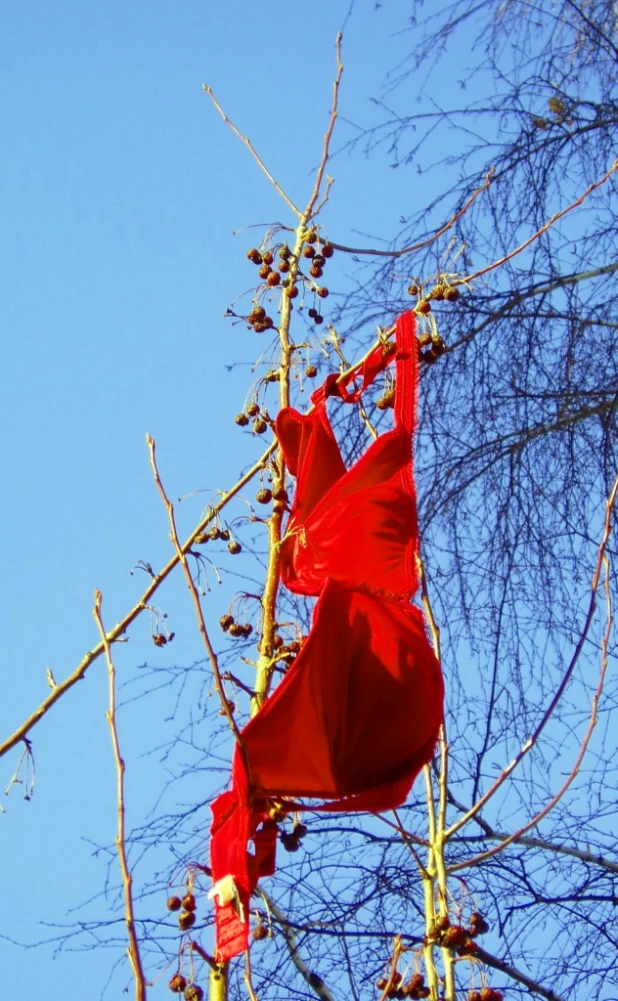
{"x": 358, "y": 526}
{"x": 357, "y": 716}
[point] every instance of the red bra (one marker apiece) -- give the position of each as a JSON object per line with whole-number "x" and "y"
{"x": 357, "y": 716}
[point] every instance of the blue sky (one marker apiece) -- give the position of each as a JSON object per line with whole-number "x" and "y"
{"x": 120, "y": 189}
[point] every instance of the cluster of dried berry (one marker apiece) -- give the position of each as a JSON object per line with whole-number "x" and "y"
{"x": 259, "y": 320}
{"x": 288, "y": 650}
{"x": 440, "y": 292}
{"x": 187, "y": 907}
{"x": 458, "y": 937}
{"x": 271, "y": 273}
{"x": 393, "y": 986}
{"x": 290, "y": 840}
{"x": 191, "y": 992}
{"x": 434, "y": 347}
{"x": 160, "y": 639}
{"x": 236, "y": 629}
{"x": 216, "y": 533}
{"x": 485, "y": 994}
{"x": 253, "y": 410}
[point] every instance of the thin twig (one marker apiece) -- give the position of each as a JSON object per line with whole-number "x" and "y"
{"x": 127, "y": 878}
{"x": 119, "y": 630}
{"x": 248, "y": 978}
{"x": 580, "y": 756}
{"x": 169, "y": 507}
{"x": 251, "y": 149}
{"x": 316, "y": 983}
{"x": 511, "y": 971}
{"x": 327, "y": 138}
{"x": 430, "y": 239}
{"x": 529, "y": 744}
{"x": 543, "y": 229}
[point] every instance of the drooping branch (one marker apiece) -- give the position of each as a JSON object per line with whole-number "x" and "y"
{"x": 116, "y": 634}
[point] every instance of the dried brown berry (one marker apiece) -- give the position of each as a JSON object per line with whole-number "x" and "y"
{"x": 315, "y": 271}
{"x": 327, "y": 250}
{"x": 424, "y": 339}
{"x": 323, "y": 293}
{"x": 264, "y": 271}
{"x": 194, "y": 993}
{"x": 253, "y": 409}
{"x": 289, "y": 842}
{"x": 234, "y": 547}
{"x": 318, "y": 319}
{"x": 247, "y": 629}
{"x": 268, "y": 257}
{"x": 273, "y": 376}
{"x": 202, "y": 537}
{"x": 186, "y": 920}
{"x": 308, "y": 251}
{"x": 264, "y": 496}
{"x": 312, "y": 236}
{"x": 260, "y": 326}
{"x": 174, "y": 903}
{"x": 474, "y": 996}
{"x": 280, "y": 493}
{"x": 454, "y": 937}
{"x": 381, "y": 983}
{"x": 437, "y": 293}
{"x": 231, "y": 707}
{"x": 258, "y": 313}
{"x": 273, "y": 278}
{"x": 260, "y": 426}
{"x": 312, "y": 312}
{"x": 259, "y": 932}
{"x": 225, "y": 622}
{"x": 284, "y": 252}
{"x": 284, "y": 267}
{"x": 478, "y": 928}
{"x": 254, "y": 256}
{"x": 236, "y": 630}
{"x": 319, "y": 260}
{"x": 299, "y": 831}
{"x": 159, "y": 639}
{"x": 188, "y": 902}
{"x": 413, "y": 289}
{"x": 177, "y": 984}
{"x": 311, "y": 371}
{"x": 291, "y": 291}
{"x": 242, "y": 420}
{"x": 452, "y": 295}
{"x": 424, "y": 307}
{"x": 428, "y": 357}
{"x": 225, "y": 534}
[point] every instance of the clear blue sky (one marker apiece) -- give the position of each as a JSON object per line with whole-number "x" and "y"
{"x": 120, "y": 189}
